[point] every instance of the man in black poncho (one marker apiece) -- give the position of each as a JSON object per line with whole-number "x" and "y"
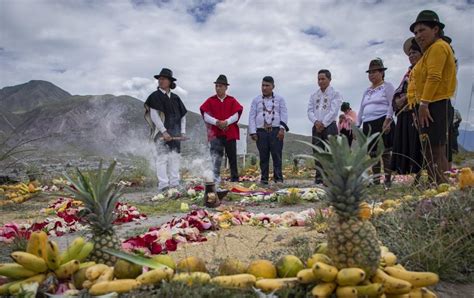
{"x": 165, "y": 113}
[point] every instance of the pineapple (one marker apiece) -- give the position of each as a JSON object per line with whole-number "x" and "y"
{"x": 352, "y": 242}
{"x": 99, "y": 193}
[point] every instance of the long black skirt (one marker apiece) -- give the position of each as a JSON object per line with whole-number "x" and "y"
{"x": 406, "y": 153}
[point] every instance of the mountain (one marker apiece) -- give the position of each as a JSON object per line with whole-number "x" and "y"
{"x": 27, "y": 96}
{"x": 104, "y": 125}
{"x": 466, "y": 139}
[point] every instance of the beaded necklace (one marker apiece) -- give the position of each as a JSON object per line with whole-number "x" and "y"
{"x": 271, "y": 112}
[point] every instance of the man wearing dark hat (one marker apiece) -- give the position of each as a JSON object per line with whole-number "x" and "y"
{"x": 268, "y": 120}
{"x": 221, "y": 112}
{"x": 323, "y": 108}
{"x": 165, "y": 114}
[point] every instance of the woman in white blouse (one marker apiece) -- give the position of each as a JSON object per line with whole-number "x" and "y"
{"x": 375, "y": 115}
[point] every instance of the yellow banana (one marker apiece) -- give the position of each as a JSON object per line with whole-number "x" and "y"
{"x": 43, "y": 245}
{"x": 306, "y": 276}
{"x": 275, "y": 284}
{"x": 346, "y": 292}
{"x": 4, "y": 288}
{"x": 388, "y": 259}
{"x": 85, "y": 251}
{"x": 155, "y": 276}
{"x": 32, "y": 246}
{"x": 324, "y": 272}
{"x": 235, "y": 281}
{"x": 417, "y": 279}
{"x": 79, "y": 277}
{"x": 15, "y": 271}
{"x": 53, "y": 258}
{"x": 107, "y": 275}
{"x": 118, "y": 286}
{"x": 29, "y": 261}
{"x": 318, "y": 257}
{"x": 322, "y": 248}
{"x": 323, "y": 290}
{"x": 391, "y": 284}
{"x": 16, "y": 287}
{"x": 427, "y": 293}
{"x": 415, "y": 293}
{"x": 73, "y": 250}
{"x": 350, "y": 276}
{"x": 86, "y": 264}
{"x": 370, "y": 290}
{"x": 193, "y": 277}
{"x": 67, "y": 270}
{"x": 94, "y": 271}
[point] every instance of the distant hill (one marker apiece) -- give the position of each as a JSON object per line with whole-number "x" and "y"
{"x": 94, "y": 124}
{"x": 27, "y": 96}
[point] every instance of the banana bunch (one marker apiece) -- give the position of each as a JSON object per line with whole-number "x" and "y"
{"x": 18, "y": 193}
{"x": 42, "y": 257}
{"x": 390, "y": 280}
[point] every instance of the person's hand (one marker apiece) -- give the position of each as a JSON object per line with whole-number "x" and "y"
{"x": 399, "y": 101}
{"x": 319, "y": 126}
{"x": 281, "y": 134}
{"x": 254, "y": 137}
{"x": 166, "y": 137}
{"x": 424, "y": 116}
{"x": 386, "y": 125}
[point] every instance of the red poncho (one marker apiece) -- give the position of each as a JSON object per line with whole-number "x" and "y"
{"x": 222, "y": 110}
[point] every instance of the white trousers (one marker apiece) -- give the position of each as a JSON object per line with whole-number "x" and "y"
{"x": 167, "y": 168}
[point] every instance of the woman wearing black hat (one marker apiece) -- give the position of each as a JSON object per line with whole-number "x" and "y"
{"x": 375, "y": 115}
{"x": 406, "y": 153}
{"x": 165, "y": 113}
{"x": 432, "y": 84}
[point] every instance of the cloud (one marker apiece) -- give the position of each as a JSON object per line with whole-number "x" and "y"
{"x": 99, "y": 47}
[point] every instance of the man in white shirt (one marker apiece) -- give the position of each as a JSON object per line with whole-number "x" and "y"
{"x": 268, "y": 120}
{"x": 221, "y": 112}
{"x": 323, "y": 108}
{"x": 166, "y": 116}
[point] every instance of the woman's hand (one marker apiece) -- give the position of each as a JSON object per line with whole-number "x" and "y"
{"x": 386, "y": 125}
{"x": 424, "y": 116}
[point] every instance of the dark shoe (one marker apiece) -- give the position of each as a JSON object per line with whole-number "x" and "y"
{"x": 318, "y": 181}
{"x": 234, "y": 180}
{"x": 264, "y": 182}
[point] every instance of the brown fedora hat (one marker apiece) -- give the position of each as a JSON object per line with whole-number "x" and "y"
{"x": 376, "y": 64}
{"x": 410, "y": 43}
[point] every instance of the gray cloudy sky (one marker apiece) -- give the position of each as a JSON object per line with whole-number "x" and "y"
{"x": 98, "y": 47}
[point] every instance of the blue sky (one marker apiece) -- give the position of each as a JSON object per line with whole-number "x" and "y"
{"x": 99, "y": 47}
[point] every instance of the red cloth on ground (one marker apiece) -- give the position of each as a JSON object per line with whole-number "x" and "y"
{"x": 221, "y": 110}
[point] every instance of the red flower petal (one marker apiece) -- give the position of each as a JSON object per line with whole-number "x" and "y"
{"x": 171, "y": 245}
{"x": 155, "y": 248}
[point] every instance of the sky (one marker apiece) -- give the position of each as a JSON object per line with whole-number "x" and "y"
{"x": 115, "y": 47}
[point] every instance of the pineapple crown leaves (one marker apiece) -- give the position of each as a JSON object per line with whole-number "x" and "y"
{"x": 342, "y": 168}
{"x": 99, "y": 192}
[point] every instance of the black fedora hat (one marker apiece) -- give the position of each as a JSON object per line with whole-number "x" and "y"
{"x": 376, "y": 64}
{"x": 167, "y": 73}
{"x": 410, "y": 43}
{"x": 222, "y": 79}
{"x": 427, "y": 16}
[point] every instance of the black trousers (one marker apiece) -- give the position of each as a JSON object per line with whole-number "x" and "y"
{"x": 330, "y": 130}
{"x": 218, "y": 146}
{"x": 268, "y": 144}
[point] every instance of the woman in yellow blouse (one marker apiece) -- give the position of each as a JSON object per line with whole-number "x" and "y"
{"x": 431, "y": 86}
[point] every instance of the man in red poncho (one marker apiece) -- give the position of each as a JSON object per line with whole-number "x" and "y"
{"x": 221, "y": 113}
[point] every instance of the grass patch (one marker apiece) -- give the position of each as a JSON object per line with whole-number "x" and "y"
{"x": 162, "y": 207}
{"x": 293, "y": 198}
{"x": 434, "y": 235}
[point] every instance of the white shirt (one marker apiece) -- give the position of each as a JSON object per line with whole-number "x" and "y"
{"x": 211, "y": 120}
{"x": 376, "y": 103}
{"x": 324, "y": 106}
{"x": 155, "y": 117}
{"x": 275, "y": 103}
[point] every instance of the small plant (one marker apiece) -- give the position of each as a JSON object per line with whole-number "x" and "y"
{"x": 253, "y": 160}
{"x": 292, "y": 198}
